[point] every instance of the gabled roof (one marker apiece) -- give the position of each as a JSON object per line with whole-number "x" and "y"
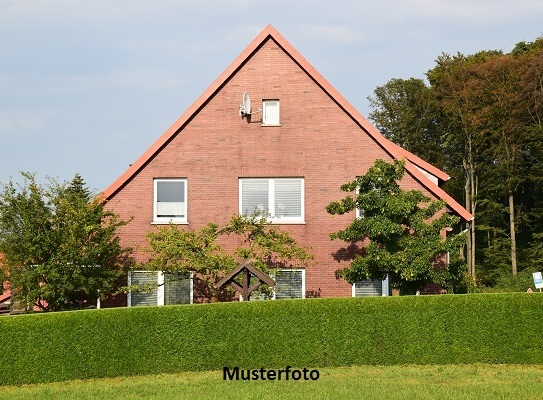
{"x": 271, "y": 33}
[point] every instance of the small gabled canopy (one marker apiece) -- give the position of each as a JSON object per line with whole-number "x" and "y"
{"x": 412, "y": 161}
{"x": 248, "y": 264}
{"x": 246, "y": 269}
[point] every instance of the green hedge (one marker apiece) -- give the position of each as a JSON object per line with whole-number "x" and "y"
{"x": 479, "y": 328}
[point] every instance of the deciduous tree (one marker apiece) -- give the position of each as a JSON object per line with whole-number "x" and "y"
{"x": 58, "y": 244}
{"x": 180, "y": 252}
{"x": 405, "y": 239}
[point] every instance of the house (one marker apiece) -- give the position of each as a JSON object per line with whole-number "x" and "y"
{"x": 5, "y": 300}
{"x": 288, "y": 155}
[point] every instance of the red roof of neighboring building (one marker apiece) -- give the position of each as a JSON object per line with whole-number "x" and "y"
{"x": 5, "y": 296}
{"x": 270, "y": 32}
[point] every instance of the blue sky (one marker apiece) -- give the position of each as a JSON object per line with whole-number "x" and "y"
{"x": 88, "y": 86}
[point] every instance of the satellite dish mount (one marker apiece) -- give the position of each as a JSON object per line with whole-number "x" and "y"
{"x": 245, "y": 106}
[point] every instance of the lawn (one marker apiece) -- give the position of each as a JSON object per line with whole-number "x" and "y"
{"x": 360, "y": 382}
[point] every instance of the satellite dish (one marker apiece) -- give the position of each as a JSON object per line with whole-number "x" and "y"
{"x": 245, "y": 106}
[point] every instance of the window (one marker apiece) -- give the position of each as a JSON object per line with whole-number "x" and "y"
{"x": 289, "y": 284}
{"x": 281, "y": 199}
{"x": 371, "y": 288}
{"x": 166, "y": 289}
{"x": 270, "y": 112}
{"x": 170, "y": 203}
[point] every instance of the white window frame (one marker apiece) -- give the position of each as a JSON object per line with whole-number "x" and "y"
{"x": 290, "y": 270}
{"x": 273, "y": 291}
{"x": 160, "y": 288}
{"x": 167, "y": 220}
{"x": 385, "y": 288}
{"x": 357, "y": 213}
{"x": 271, "y": 201}
{"x": 271, "y": 103}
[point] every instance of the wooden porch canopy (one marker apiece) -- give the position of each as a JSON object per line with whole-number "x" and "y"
{"x": 247, "y": 269}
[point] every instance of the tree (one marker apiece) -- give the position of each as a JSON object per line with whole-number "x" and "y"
{"x": 407, "y": 113}
{"x": 180, "y": 252}
{"x": 59, "y": 245}
{"x": 450, "y": 81}
{"x": 503, "y": 120}
{"x": 405, "y": 240}
{"x": 490, "y": 121}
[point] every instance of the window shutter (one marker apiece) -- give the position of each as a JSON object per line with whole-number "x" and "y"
{"x": 270, "y": 112}
{"x": 368, "y": 288}
{"x": 176, "y": 289}
{"x": 288, "y": 198}
{"x": 254, "y": 197}
{"x": 143, "y": 298}
{"x": 289, "y": 284}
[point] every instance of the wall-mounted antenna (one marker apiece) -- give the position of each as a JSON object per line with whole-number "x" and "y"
{"x": 245, "y": 106}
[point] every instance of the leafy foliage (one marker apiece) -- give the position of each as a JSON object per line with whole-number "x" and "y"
{"x": 59, "y": 245}
{"x": 487, "y": 121}
{"x": 404, "y": 238}
{"x": 406, "y": 112}
{"x": 180, "y": 251}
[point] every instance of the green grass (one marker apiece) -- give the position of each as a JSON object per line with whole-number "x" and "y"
{"x": 479, "y": 381}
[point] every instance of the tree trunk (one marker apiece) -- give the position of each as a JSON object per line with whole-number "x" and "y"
{"x": 513, "y": 235}
{"x": 467, "y": 206}
{"x": 472, "y": 224}
{"x": 470, "y": 189}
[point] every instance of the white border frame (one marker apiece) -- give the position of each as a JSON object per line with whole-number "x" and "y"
{"x": 385, "y": 288}
{"x": 278, "y": 123}
{"x": 290, "y": 269}
{"x": 163, "y": 220}
{"x": 160, "y": 289}
{"x": 271, "y": 201}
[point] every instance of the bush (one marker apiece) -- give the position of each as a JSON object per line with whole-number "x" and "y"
{"x": 479, "y": 328}
{"x": 507, "y": 282}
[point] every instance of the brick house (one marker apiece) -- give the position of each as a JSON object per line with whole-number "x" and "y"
{"x": 289, "y": 156}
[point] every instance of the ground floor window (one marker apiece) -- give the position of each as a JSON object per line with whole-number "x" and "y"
{"x": 157, "y": 289}
{"x": 289, "y": 284}
{"x": 371, "y": 288}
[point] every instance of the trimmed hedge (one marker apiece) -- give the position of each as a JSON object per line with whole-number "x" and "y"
{"x": 480, "y": 328}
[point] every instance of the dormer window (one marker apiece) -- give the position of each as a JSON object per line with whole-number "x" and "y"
{"x": 270, "y": 113}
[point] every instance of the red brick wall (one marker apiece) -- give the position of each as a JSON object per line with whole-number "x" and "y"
{"x": 316, "y": 141}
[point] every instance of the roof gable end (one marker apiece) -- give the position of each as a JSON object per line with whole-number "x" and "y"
{"x": 271, "y": 33}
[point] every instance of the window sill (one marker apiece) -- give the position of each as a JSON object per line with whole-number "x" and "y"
{"x": 270, "y": 124}
{"x": 171, "y": 221}
{"x": 280, "y": 222}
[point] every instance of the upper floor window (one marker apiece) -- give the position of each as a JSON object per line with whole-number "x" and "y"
{"x": 270, "y": 112}
{"x": 282, "y": 199}
{"x": 170, "y": 204}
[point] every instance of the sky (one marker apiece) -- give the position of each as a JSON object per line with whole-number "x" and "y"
{"x": 87, "y": 86}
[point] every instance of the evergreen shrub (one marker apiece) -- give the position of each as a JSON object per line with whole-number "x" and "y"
{"x": 312, "y": 333}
